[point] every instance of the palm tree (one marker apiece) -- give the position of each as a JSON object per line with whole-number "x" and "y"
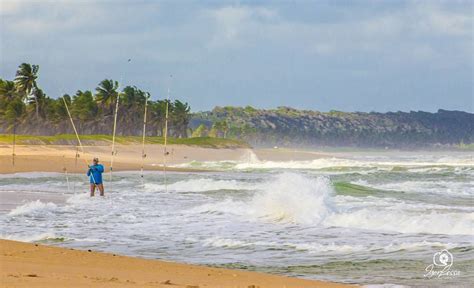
{"x": 157, "y": 115}
{"x": 132, "y": 97}
{"x": 8, "y": 90}
{"x": 83, "y": 106}
{"x": 107, "y": 94}
{"x": 180, "y": 116}
{"x": 38, "y": 96}
{"x": 25, "y": 81}
{"x": 7, "y": 94}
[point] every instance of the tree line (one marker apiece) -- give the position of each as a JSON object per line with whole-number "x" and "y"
{"x": 288, "y": 127}
{"x": 24, "y": 104}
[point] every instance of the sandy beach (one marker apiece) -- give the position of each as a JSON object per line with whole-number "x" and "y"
{"x": 56, "y": 158}
{"x": 34, "y": 265}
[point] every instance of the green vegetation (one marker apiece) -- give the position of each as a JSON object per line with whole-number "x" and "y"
{"x": 25, "y": 107}
{"x": 70, "y": 139}
{"x": 288, "y": 127}
{"x": 200, "y": 131}
{"x": 468, "y": 147}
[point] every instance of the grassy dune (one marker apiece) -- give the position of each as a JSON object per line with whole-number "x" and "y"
{"x": 70, "y": 139}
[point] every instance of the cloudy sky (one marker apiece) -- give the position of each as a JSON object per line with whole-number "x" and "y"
{"x": 322, "y": 55}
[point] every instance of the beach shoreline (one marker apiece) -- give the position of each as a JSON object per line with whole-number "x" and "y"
{"x": 61, "y": 158}
{"x": 37, "y": 265}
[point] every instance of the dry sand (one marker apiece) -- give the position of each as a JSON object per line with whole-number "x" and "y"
{"x": 33, "y": 265}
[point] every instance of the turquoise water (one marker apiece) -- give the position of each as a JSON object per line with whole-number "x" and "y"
{"x": 367, "y": 218}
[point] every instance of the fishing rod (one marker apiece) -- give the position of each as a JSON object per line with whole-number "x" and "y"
{"x": 77, "y": 135}
{"x": 65, "y": 173}
{"x": 144, "y": 135}
{"x": 75, "y": 168}
{"x": 165, "y": 152}
{"x": 113, "y": 135}
{"x": 115, "y": 125}
{"x": 14, "y": 144}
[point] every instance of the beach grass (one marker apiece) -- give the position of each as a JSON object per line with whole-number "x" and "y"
{"x": 70, "y": 139}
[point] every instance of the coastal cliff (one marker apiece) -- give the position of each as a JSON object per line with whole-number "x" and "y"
{"x": 285, "y": 126}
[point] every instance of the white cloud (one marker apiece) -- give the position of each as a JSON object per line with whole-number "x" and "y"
{"x": 235, "y": 42}
{"x": 450, "y": 23}
{"x": 403, "y": 33}
{"x": 232, "y": 22}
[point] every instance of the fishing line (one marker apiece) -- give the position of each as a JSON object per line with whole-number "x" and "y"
{"x": 115, "y": 125}
{"x": 113, "y": 135}
{"x": 75, "y": 169}
{"x": 143, "y": 136}
{"x": 77, "y": 135}
{"x": 65, "y": 173}
{"x": 14, "y": 144}
{"x": 64, "y": 167}
{"x": 165, "y": 152}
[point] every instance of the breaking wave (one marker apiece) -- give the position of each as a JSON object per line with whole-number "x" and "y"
{"x": 33, "y": 208}
{"x": 200, "y": 185}
{"x": 251, "y": 162}
{"x": 288, "y": 197}
{"x": 315, "y": 247}
{"x": 34, "y": 238}
{"x": 295, "y": 198}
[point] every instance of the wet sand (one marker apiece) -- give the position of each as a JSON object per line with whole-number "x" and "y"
{"x": 34, "y": 265}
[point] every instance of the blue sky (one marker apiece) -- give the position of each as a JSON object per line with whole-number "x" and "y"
{"x": 320, "y": 55}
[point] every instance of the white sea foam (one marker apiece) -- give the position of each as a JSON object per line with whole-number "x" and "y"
{"x": 46, "y": 236}
{"x": 250, "y": 157}
{"x": 225, "y": 242}
{"x": 421, "y": 164}
{"x": 288, "y": 197}
{"x": 33, "y": 208}
{"x": 200, "y": 185}
{"x": 78, "y": 198}
{"x": 30, "y": 238}
{"x": 292, "y": 197}
{"x": 439, "y": 187}
{"x": 315, "y": 247}
{"x": 388, "y": 285}
{"x": 31, "y": 175}
{"x": 402, "y": 221}
{"x": 324, "y": 163}
{"x": 411, "y": 246}
{"x": 295, "y": 198}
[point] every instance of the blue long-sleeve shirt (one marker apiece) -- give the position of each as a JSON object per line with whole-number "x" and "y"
{"x": 95, "y": 173}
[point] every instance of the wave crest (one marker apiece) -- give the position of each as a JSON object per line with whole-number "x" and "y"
{"x": 33, "y": 208}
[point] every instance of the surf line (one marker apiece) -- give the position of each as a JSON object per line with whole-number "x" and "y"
{"x": 77, "y": 135}
{"x": 144, "y": 135}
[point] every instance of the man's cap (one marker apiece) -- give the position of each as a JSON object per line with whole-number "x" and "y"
{"x": 96, "y": 159}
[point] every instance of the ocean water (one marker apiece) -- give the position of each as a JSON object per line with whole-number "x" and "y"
{"x": 366, "y": 218}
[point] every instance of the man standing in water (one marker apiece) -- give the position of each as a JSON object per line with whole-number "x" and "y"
{"x": 95, "y": 175}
